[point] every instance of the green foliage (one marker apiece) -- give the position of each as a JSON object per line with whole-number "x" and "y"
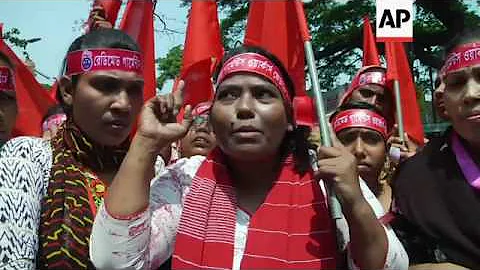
{"x": 13, "y": 37}
{"x": 169, "y": 66}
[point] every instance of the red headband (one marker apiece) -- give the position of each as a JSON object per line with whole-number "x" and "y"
{"x": 258, "y": 64}
{"x": 362, "y": 78}
{"x": 370, "y": 77}
{"x": 6, "y": 79}
{"x": 463, "y": 56}
{"x": 103, "y": 59}
{"x": 202, "y": 108}
{"x": 360, "y": 118}
{"x": 53, "y": 120}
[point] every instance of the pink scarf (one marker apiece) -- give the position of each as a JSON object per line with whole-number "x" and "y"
{"x": 469, "y": 168}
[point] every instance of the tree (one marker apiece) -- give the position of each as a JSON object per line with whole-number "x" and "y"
{"x": 336, "y": 28}
{"x": 169, "y": 66}
{"x": 13, "y": 37}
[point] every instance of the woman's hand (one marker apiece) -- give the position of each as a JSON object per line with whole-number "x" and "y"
{"x": 337, "y": 165}
{"x": 158, "y": 122}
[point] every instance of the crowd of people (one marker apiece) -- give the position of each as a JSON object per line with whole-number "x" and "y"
{"x": 235, "y": 183}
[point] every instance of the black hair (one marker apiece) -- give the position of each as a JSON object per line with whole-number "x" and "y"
{"x": 357, "y": 105}
{"x": 294, "y": 141}
{"x": 466, "y": 36}
{"x": 99, "y": 38}
{"x": 55, "y": 109}
{"x": 7, "y": 60}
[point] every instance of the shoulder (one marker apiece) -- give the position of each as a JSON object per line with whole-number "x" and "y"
{"x": 433, "y": 156}
{"x": 31, "y": 148}
{"x": 182, "y": 171}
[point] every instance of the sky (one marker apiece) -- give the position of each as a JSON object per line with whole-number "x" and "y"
{"x": 57, "y": 23}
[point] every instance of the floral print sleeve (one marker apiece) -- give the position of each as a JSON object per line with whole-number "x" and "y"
{"x": 146, "y": 240}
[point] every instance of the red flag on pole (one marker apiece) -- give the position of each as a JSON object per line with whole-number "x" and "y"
{"x": 33, "y": 100}
{"x": 202, "y": 51}
{"x": 137, "y": 21}
{"x": 398, "y": 68}
{"x": 280, "y": 28}
{"x": 370, "y": 53}
{"x": 111, "y": 8}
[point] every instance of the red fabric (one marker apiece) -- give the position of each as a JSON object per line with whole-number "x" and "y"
{"x": 278, "y": 28}
{"x": 257, "y": 64}
{"x": 202, "y": 51}
{"x": 33, "y": 101}
{"x": 137, "y": 21}
{"x": 111, "y": 8}
{"x": 304, "y": 111}
{"x": 291, "y": 229}
{"x": 92, "y": 60}
{"x": 370, "y": 53}
{"x": 356, "y": 83}
{"x": 463, "y": 56}
{"x": 6, "y": 79}
{"x": 360, "y": 118}
{"x": 398, "y": 68}
{"x": 53, "y": 90}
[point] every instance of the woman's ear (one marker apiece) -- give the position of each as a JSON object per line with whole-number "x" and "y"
{"x": 65, "y": 87}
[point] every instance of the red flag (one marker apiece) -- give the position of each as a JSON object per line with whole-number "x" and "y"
{"x": 398, "y": 68}
{"x": 370, "y": 53}
{"x": 202, "y": 51}
{"x": 111, "y": 8}
{"x": 280, "y": 28}
{"x": 137, "y": 21}
{"x": 33, "y": 101}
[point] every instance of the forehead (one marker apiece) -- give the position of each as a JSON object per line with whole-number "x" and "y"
{"x": 358, "y": 131}
{"x": 245, "y": 78}
{"x": 116, "y": 74}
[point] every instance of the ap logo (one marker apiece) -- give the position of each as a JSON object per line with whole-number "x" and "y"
{"x": 394, "y": 20}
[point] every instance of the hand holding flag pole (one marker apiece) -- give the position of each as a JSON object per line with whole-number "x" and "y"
{"x": 335, "y": 208}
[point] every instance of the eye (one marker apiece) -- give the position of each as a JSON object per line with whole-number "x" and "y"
{"x": 372, "y": 138}
{"x": 347, "y": 138}
{"x": 105, "y": 84}
{"x": 366, "y": 93}
{"x": 135, "y": 88}
{"x": 228, "y": 94}
{"x": 455, "y": 81}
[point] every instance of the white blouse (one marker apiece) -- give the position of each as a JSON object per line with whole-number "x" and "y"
{"x": 148, "y": 240}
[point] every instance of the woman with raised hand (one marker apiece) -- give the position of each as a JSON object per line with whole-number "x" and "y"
{"x": 51, "y": 219}
{"x": 252, "y": 203}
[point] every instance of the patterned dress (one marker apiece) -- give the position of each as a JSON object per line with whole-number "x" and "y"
{"x": 48, "y": 199}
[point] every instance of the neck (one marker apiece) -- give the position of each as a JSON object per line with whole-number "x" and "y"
{"x": 254, "y": 175}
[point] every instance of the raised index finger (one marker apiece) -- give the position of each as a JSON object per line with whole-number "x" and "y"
{"x": 178, "y": 95}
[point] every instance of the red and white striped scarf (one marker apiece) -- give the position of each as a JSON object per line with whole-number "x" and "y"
{"x": 291, "y": 229}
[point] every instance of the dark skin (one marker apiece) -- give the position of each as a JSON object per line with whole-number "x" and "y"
{"x": 200, "y": 139}
{"x": 104, "y": 106}
{"x": 368, "y": 147}
{"x": 250, "y": 122}
{"x": 462, "y": 106}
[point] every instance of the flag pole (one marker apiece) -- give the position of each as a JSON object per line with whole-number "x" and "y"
{"x": 398, "y": 105}
{"x": 334, "y": 205}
